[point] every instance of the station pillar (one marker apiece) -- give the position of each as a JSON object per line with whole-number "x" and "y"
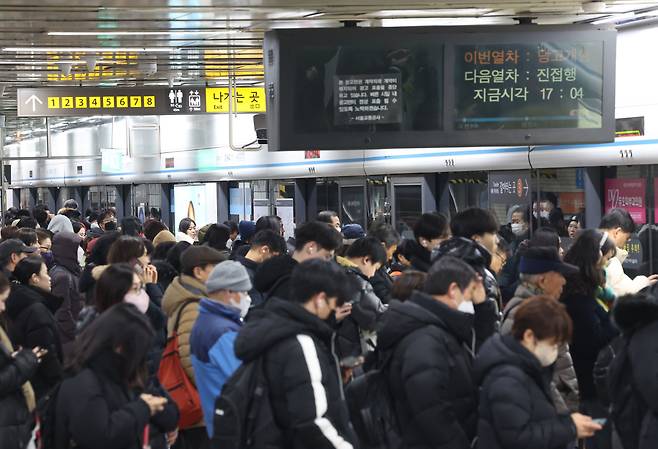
{"x": 443, "y": 193}
{"x": 306, "y": 200}
{"x": 222, "y": 201}
{"x": 593, "y": 196}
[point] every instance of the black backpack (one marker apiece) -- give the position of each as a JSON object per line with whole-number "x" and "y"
{"x": 372, "y": 411}
{"x": 243, "y": 415}
{"x": 46, "y": 409}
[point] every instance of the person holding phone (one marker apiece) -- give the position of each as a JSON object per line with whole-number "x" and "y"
{"x": 514, "y": 374}
{"x": 108, "y": 403}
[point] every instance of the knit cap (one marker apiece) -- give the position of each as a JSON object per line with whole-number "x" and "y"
{"x": 229, "y": 275}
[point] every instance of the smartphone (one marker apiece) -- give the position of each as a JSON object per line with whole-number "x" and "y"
{"x": 600, "y": 421}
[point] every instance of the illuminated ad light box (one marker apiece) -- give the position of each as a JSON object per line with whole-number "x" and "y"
{"x": 359, "y": 88}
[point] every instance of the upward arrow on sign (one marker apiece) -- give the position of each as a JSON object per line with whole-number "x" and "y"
{"x": 34, "y": 100}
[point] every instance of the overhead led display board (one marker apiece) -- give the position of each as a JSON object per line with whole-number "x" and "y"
{"x": 359, "y": 88}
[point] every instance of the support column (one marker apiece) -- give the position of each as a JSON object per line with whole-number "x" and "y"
{"x": 593, "y": 196}
{"x": 51, "y": 199}
{"x": 428, "y": 193}
{"x": 82, "y": 194}
{"x": 443, "y": 192}
{"x": 31, "y": 199}
{"x": 306, "y": 200}
{"x": 123, "y": 199}
{"x": 223, "y": 204}
{"x": 165, "y": 204}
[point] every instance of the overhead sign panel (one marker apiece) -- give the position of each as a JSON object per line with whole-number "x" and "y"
{"x": 419, "y": 87}
{"x": 82, "y": 101}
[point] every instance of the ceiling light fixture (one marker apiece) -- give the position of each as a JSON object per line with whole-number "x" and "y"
{"x": 139, "y": 33}
{"x": 91, "y": 63}
{"x": 614, "y": 18}
{"x": 66, "y": 69}
{"x": 91, "y": 49}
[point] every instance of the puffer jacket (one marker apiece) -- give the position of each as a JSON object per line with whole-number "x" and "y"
{"x": 31, "y": 324}
{"x": 430, "y": 374}
{"x": 477, "y": 257}
{"x": 564, "y": 386}
{"x": 382, "y": 284}
{"x": 182, "y": 288}
{"x": 16, "y": 421}
{"x": 65, "y": 277}
{"x": 637, "y": 318}
{"x": 96, "y": 409}
{"x": 356, "y": 333}
{"x": 303, "y": 376}
{"x": 273, "y": 277}
{"x": 515, "y": 409}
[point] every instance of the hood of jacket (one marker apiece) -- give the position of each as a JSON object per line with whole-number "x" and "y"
{"x": 421, "y": 259}
{"x": 635, "y": 311}
{"x": 345, "y": 262}
{"x": 505, "y": 350}
{"x": 25, "y": 296}
{"x": 422, "y": 310}
{"x": 97, "y": 271}
{"x": 183, "y": 237}
{"x": 465, "y": 249}
{"x": 65, "y": 250}
{"x": 272, "y": 270}
{"x": 277, "y": 321}
{"x": 60, "y": 223}
{"x": 183, "y": 287}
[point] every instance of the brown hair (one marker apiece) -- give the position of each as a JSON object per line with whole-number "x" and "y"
{"x": 546, "y": 317}
{"x": 406, "y": 283}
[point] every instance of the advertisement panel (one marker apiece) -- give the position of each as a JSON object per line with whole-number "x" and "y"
{"x": 627, "y": 194}
{"x": 196, "y": 201}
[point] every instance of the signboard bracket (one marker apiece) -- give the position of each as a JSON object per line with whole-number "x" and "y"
{"x": 232, "y": 95}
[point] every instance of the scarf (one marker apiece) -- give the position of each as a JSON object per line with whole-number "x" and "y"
{"x": 28, "y": 392}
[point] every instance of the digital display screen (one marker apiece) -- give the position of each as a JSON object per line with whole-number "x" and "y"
{"x": 431, "y": 87}
{"x": 526, "y": 86}
{"x": 382, "y": 87}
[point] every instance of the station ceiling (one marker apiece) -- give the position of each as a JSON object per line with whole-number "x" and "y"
{"x": 163, "y": 42}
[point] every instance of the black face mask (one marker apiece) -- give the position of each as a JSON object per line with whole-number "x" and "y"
{"x": 111, "y": 226}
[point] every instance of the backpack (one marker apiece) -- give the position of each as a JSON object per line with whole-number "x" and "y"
{"x": 46, "y": 423}
{"x": 371, "y": 408}
{"x": 243, "y": 415}
{"x": 173, "y": 378}
{"x": 628, "y": 408}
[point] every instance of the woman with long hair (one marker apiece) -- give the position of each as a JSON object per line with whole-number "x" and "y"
{"x": 17, "y": 401}
{"x": 107, "y": 402}
{"x": 592, "y": 328}
{"x": 30, "y": 309}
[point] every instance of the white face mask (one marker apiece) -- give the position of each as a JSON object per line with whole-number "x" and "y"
{"x": 139, "y": 300}
{"x": 544, "y": 214}
{"x": 518, "y": 228}
{"x": 243, "y": 305}
{"x": 546, "y": 353}
{"x": 466, "y": 307}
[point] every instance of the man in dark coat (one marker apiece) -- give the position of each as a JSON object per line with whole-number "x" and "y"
{"x": 302, "y": 373}
{"x": 65, "y": 277}
{"x": 474, "y": 241}
{"x": 429, "y": 231}
{"x": 264, "y": 245}
{"x": 382, "y": 282}
{"x": 313, "y": 240}
{"x": 432, "y": 345}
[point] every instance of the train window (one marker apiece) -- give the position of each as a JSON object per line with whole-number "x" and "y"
{"x": 408, "y": 208}
{"x": 327, "y": 191}
{"x": 352, "y": 205}
{"x": 378, "y": 203}
{"x": 467, "y": 189}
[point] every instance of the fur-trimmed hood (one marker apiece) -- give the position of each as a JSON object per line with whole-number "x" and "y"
{"x": 632, "y": 312}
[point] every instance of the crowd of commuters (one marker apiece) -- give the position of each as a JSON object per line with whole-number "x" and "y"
{"x": 122, "y": 334}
